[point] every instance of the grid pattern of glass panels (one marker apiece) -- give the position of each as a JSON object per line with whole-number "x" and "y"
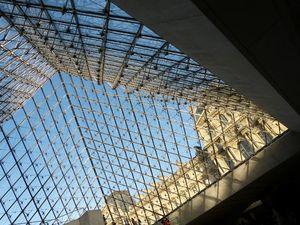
{"x": 22, "y": 70}
{"x": 75, "y": 145}
{"x": 99, "y": 41}
{"x": 130, "y": 125}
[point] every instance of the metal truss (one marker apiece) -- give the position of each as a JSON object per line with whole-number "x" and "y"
{"x": 116, "y": 118}
{"x": 75, "y": 144}
{"x": 22, "y": 70}
{"x": 99, "y": 41}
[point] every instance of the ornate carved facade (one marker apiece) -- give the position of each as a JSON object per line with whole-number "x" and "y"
{"x": 227, "y": 139}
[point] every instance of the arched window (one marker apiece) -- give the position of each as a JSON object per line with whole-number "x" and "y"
{"x": 210, "y": 168}
{"x": 225, "y": 155}
{"x": 223, "y": 120}
{"x": 197, "y": 113}
{"x": 245, "y": 148}
{"x": 265, "y": 136}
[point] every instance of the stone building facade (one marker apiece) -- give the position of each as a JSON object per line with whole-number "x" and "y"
{"x": 227, "y": 139}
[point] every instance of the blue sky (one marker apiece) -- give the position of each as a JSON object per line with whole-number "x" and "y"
{"x": 127, "y": 140}
{"x": 76, "y": 141}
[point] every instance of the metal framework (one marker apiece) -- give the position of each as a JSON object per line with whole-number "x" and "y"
{"x": 109, "y": 110}
{"x": 74, "y": 143}
{"x": 22, "y": 70}
{"x": 99, "y": 41}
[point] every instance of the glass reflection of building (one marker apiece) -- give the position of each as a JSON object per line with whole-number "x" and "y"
{"x": 227, "y": 139}
{"x": 119, "y": 204}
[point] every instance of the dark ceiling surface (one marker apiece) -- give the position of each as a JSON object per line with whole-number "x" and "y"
{"x": 267, "y": 33}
